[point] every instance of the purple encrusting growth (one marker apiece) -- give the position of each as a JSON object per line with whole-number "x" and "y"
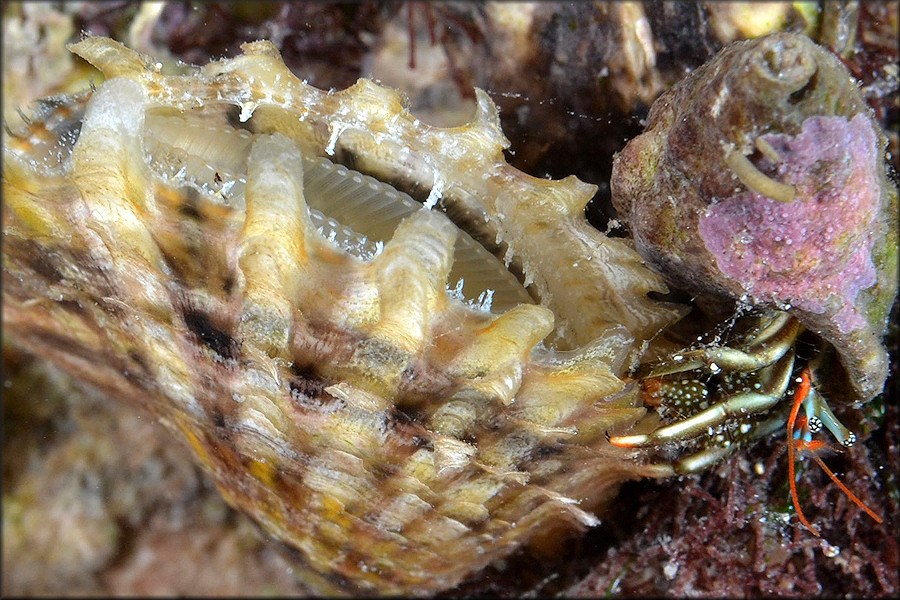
{"x": 813, "y": 252}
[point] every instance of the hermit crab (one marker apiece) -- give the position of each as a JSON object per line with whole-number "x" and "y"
{"x": 759, "y": 183}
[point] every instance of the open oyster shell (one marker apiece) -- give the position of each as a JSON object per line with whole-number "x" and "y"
{"x": 399, "y": 438}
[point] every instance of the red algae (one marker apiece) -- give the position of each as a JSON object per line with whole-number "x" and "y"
{"x": 817, "y": 246}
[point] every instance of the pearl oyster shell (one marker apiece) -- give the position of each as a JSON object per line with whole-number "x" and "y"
{"x": 397, "y": 437}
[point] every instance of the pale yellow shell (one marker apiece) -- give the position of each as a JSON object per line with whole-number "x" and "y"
{"x": 398, "y": 438}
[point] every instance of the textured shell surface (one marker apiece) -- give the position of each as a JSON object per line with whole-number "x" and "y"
{"x": 762, "y": 178}
{"x": 239, "y": 253}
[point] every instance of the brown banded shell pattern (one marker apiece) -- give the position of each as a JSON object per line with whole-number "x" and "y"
{"x": 398, "y": 438}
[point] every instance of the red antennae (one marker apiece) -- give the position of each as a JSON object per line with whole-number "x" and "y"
{"x": 799, "y": 396}
{"x": 812, "y": 446}
{"x": 845, "y": 489}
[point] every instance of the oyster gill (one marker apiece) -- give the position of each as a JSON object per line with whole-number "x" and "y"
{"x": 211, "y": 158}
{"x": 398, "y": 439}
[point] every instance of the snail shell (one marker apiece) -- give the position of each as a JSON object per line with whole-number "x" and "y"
{"x": 179, "y": 241}
{"x": 761, "y": 177}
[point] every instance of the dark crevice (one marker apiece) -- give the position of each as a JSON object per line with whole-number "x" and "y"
{"x": 213, "y": 338}
{"x": 806, "y": 91}
{"x": 306, "y": 381}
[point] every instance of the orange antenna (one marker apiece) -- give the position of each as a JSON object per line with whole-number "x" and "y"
{"x": 800, "y": 394}
{"x": 845, "y": 489}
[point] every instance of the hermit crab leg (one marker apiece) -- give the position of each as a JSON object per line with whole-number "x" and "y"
{"x": 735, "y": 406}
{"x": 768, "y": 346}
{"x": 709, "y": 456}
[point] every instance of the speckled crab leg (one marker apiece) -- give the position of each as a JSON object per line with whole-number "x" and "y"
{"x": 768, "y": 346}
{"x": 778, "y": 377}
{"x": 707, "y": 457}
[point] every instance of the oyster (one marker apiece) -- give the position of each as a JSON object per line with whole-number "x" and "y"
{"x": 176, "y": 241}
{"x": 761, "y": 178}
